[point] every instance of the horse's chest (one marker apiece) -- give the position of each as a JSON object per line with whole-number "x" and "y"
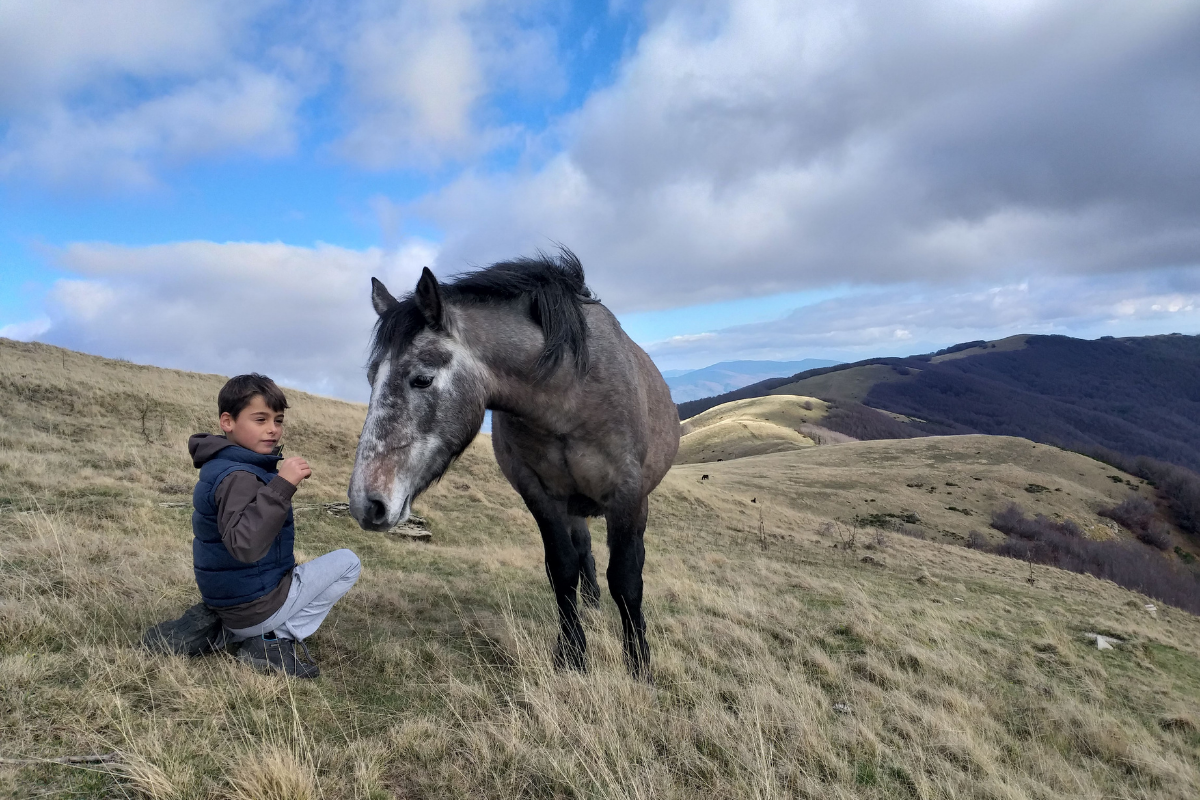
{"x": 568, "y": 468}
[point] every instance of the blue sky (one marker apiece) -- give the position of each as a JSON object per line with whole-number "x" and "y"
{"x": 211, "y": 185}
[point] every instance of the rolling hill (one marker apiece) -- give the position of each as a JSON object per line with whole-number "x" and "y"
{"x": 796, "y": 654}
{"x": 749, "y": 428}
{"x": 1137, "y": 396}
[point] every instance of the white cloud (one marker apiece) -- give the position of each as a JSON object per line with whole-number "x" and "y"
{"x": 418, "y": 75}
{"x": 25, "y": 331}
{"x": 111, "y": 93}
{"x": 52, "y": 48}
{"x": 908, "y": 318}
{"x": 248, "y": 112}
{"x": 750, "y": 147}
{"x": 301, "y": 315}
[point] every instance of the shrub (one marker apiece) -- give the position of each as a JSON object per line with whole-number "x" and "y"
{"x": 1156, "y": 536}
{"x": 977, "y": 541}
{"x": 864, "y": 423}
{"x": 1125, "y": 563}
{"x": 1012, "y": 520}
{"x": 886, "y": 520}
{"x": 1137, "y": 515}
{"x": 1178, "y": 486}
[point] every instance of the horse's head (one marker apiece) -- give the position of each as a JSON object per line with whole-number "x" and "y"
{"x": 427, "y": 402}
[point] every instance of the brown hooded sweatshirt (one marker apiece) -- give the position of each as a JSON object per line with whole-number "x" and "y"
{"x": 250, "y": 515}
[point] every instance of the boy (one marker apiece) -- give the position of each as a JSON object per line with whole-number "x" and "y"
{"x": 242, "y": 550}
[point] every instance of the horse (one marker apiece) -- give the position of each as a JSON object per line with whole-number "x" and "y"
{"x": 582, "y": 421}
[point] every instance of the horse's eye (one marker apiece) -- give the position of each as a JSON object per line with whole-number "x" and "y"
{"x": 422, "y": 381}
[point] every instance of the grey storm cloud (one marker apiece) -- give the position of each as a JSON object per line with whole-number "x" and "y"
{"x": 754, "y": 147}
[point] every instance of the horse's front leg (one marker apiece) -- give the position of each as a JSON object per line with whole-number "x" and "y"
{"x": 589, "y": 589}
{"x": 627, "y": 556}
{"x": 562, "y": 567}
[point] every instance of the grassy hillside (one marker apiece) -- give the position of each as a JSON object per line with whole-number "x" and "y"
{"x": 845, "y": 384}
{"x": 946, "y": 486}
{"x": 748, "y": 428}
{"x": 786, "y": 666}
{"x": 1137, "y": 396}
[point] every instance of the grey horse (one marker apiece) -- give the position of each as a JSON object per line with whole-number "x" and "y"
{"x": 582, "y": 421}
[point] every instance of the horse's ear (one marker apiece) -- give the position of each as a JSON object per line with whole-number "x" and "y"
{"x": 381, "y": 298}
{"x": 429, "y": 298}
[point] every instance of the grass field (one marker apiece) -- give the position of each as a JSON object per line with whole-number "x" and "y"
{"x": 786, "y": 665}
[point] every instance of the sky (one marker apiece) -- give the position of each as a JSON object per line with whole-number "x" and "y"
{"x": 211, "y": 185}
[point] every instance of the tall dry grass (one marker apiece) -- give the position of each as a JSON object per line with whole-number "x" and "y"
{"x": 785, "y": 666}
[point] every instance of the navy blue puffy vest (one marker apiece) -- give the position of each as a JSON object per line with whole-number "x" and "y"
{"x": 223, "y": 580}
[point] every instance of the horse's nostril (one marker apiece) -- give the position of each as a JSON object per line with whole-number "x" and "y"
{"x": 376, "y": 512}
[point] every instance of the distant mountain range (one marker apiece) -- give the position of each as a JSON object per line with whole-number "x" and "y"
{"x": 729, "y": 375}
{"x": 1136, "y": 396}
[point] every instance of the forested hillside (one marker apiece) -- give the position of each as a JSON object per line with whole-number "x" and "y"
{"x": 1137, "y": 396}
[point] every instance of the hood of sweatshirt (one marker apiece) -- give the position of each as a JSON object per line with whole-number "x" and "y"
{"x": 204, "y": 446}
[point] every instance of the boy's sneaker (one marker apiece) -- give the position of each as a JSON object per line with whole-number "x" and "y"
{"x": 197, "y": 632}
{"x": 279, "y": 655}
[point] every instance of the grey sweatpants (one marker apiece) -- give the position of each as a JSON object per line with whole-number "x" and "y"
{"x": 316, "y": 586}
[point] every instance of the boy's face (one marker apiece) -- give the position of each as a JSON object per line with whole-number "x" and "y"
{"x": 256, "y": 428}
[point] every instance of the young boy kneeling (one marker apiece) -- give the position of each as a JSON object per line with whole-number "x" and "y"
{"x": 242, "y": 550}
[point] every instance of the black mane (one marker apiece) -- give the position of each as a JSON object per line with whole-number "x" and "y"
{"x": 554, "y": 286}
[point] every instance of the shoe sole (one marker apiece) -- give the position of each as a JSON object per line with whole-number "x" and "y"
{"x": 263, "y": 665}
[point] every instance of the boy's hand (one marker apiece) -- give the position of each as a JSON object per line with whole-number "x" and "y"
{"x": 294, "y": 469}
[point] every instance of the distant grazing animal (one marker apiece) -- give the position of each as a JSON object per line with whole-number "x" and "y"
{"x": 582, "y": 421}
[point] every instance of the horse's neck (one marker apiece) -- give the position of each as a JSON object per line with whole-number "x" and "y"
{"x": 508, "y": 345}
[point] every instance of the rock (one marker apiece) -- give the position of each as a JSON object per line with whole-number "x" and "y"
{"x": 337, "y": 509}
{"x": 414, "y": 528}
{"x": 411, "y": 533}
{"x": 1153, "y": 609}
{"x": 841, "y": 708}
{"x": 872, "y": 560}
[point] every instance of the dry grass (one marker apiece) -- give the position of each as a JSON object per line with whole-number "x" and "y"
{"x": 436, "y": 671}
{"x": 951, "y": 483}
{"x": 751, "y": 427}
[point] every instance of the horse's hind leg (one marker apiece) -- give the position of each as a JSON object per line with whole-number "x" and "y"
{"x": 627, "y": 556}
{"x": 589, "y": 587}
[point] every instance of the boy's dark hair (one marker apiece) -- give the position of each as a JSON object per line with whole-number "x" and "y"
{"x": 238, "y": 391}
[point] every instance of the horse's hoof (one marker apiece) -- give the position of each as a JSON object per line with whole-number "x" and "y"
{"x": 640, "y": 671}
{"x": 565, "y": 661}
